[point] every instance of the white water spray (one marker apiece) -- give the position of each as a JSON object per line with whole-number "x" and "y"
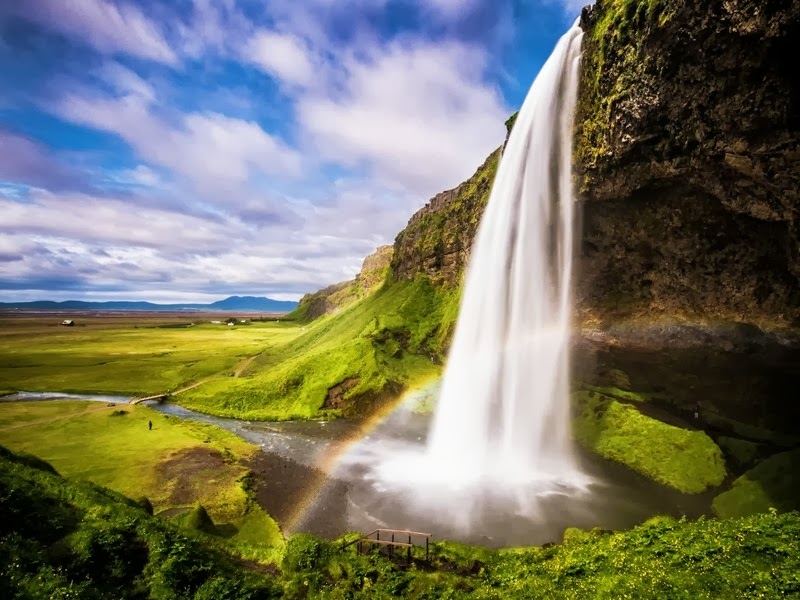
{"x": 503, "y": 413}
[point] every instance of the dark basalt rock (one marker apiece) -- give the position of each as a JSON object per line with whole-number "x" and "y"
{"x": 688, "y": 153}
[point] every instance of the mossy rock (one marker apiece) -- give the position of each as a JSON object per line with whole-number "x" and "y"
{"x": 773, "y": 483}
{"x": 144, "y": 503}
{"x": 742, "y": 453}
{"x": 688, "y": 461}
{"x": 617, "y": 393}
{"x": 196, "y": 519}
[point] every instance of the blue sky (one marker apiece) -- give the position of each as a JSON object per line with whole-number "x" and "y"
{"x": 195, "y": 149}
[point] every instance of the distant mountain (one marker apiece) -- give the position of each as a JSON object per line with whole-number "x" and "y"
{"x": 233, "y": 303}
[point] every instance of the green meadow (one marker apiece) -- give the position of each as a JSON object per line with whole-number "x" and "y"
{"x": 126, "y": 355}
{"x": 176, "y": 465}
{"x": 375, "y": 348}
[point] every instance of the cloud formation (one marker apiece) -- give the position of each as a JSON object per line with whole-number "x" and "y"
{"x": 205, "y": 148}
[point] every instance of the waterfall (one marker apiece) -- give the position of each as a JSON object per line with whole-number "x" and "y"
{"x": 503, "y": 411}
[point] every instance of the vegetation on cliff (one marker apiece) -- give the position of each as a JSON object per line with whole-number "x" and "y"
{"x": 374, "y": 270}
{"x": 688, "y": 160}
{"x": 772, "y": 484}
{"x": 438, "y": 238}
{"x": 345, "y": 363}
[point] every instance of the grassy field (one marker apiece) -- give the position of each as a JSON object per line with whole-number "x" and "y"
{"x": 135, "y": 354}
{"x": 347, "y": 363}
{"x": 176, "y": 464}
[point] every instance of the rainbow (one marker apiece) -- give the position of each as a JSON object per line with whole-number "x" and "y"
{"x": 320, "y": 480}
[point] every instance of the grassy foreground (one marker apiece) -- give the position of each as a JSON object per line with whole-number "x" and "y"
{"x": 63, "y": 539}
{"x": 177, "y": 464}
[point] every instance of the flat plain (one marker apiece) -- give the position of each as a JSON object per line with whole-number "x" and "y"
{"x": 134, "y": 354}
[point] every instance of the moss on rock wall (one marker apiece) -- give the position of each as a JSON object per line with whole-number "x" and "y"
{"x": 688, "y": 461}
{"x": 438, "y": 238}
{"x": 772, "y": 484}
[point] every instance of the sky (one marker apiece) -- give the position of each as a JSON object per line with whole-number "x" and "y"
{"x": 188, "y": 150}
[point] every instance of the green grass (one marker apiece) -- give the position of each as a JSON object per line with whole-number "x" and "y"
{"x": 688, "y": 461}
{"x": 63, "y": 539}
{"x": 773, "y": 483}
{"x": 663, "y": 558}
{"x": 127, "y": 359}
{"x": 172, "y": 465}
{"x": 392, "y": 339}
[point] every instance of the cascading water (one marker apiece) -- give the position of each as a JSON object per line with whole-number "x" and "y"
{"x": 503, "y": 410}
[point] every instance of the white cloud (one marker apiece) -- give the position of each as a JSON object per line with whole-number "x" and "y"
{"x": 83, "y": 217}
{"x": 110, "y": 28}
{"x": 281, "y": 55}
{"x": 417, "y": 113}
{"x": 217, "y": 154}
{"x": 126, "y": 81}
{"x": 141, "y": 175}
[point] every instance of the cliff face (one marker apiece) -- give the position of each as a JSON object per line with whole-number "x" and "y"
{"x": 688, "y": 156}
{"x": 439, "y": 236}
{"x": 373, "y": 272}
{"x": 687, "y": 162}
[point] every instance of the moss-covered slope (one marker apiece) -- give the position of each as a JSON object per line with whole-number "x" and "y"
{"x": 345, "y": 363}
{"x": 772, "y": 484}
{"x": 686, "y": 460}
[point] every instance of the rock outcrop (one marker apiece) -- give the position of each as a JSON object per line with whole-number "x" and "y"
{"x": 688, "y": 166}
{"x": 373, "y": 272}
{"x": 688, "y": 153}
{"x": 439, "y": 236}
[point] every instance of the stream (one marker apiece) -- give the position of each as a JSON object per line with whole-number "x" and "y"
{"x": 319, "y": 477}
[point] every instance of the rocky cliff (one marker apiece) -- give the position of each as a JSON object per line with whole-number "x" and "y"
{"x": 373, "y": 272}
{"x": 688, "y": 156}
{"x": 439, "y": 236}
{"x": 688, "y": 172}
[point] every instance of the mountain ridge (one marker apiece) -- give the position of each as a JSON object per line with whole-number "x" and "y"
{"x": 242, "y": 303}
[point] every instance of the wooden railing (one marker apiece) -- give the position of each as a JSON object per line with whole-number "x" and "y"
{"x": 391, "y": 541}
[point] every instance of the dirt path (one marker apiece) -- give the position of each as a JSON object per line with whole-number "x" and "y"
{"x": 58, "y": 418}
{"x": 237, "y": 371}
{"x": 244, "y": 364}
